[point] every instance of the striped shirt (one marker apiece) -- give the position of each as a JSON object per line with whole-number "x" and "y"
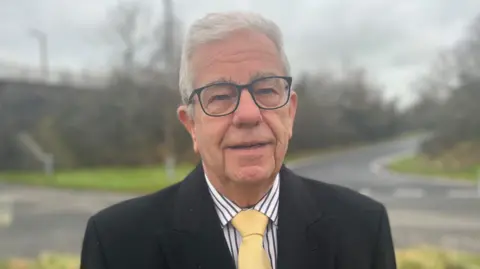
{"x": 227, "y": 210}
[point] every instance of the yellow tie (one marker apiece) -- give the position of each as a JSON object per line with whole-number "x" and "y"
{"x": 251, "y": 224}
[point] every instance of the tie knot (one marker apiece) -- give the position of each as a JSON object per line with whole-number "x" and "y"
{"x": 249, "y": 222}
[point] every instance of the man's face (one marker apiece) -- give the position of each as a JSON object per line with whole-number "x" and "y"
{"x": 239, "y": 58}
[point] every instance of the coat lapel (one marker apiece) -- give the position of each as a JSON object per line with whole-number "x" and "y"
{"x": 196, "y": 240}
{"x": 306, "y": 232}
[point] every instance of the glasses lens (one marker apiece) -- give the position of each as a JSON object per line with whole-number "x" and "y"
{"x": 219, "y": 99}
{"x": 271, "y": 92}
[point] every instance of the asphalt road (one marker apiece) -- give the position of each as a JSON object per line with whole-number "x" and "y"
{"x": 421, "y": 211}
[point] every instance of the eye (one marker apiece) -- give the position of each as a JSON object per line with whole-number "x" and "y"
{"x": 220, "y": 97}
{"x": 266, "y": 91}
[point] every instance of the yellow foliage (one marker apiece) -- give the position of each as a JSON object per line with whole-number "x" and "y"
{"x": 47, "y": 261}
{"x": 426, "y": 257}
{"x": 19, "y": 264}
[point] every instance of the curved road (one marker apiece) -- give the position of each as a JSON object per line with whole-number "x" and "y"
{"x": 421, "y": 211}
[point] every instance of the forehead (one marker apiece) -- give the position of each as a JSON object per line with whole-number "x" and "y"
{"x": 239, "y": 57}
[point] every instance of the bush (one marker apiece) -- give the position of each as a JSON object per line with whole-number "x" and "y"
{"x": 46, "y": 261}
{"x": 432, "y": 258}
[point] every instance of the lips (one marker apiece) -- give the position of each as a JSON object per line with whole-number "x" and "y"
{"x": 249, "y": 145}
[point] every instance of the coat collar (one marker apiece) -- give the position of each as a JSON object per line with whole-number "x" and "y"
{"x": 305, "y": 233}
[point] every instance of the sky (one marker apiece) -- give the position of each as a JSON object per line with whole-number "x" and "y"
{"x": 396, "y": 41}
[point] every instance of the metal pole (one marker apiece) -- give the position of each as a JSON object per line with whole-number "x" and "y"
{"x": 170, "y": 160}
{"x": 6, "y": 211}
{"x": 478, "y": 182}
{"x": 43, "y": 50}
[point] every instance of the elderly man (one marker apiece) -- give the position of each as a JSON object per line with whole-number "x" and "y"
{"x": 241, "y": 207}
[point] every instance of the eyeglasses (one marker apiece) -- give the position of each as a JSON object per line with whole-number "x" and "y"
{"x": 222, "y": 98}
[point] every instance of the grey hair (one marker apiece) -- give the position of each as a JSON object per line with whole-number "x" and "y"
{"x": 216, "y": 26}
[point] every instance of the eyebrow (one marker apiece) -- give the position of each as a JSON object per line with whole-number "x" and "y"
{"x": 220, "y": 80}
{"x": 253, "y": 77}
{"x": 258, "y": 75}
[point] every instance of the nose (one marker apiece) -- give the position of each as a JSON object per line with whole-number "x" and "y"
{"x": 247, "y": 113}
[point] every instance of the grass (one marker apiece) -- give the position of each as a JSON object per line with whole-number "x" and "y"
{"x": 422, "y": 257}
{"x": 134, "y": 180}
{"x": 145, "y": 179}
{"x": 421, "y": 165}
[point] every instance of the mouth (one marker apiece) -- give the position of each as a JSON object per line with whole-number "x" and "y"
{"x": 253, "y": 145}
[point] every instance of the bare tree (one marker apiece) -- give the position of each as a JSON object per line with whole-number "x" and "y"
{"x": 454, "y": 116}
{"x": 129, "y": 29}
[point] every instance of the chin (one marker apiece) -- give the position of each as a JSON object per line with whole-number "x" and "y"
{"x": 251, "y": 174}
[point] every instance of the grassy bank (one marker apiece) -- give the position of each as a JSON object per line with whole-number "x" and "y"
{"x": 139, "y": 179}
{"x": 415, "y": 258}
{"x": 421, "y": 165}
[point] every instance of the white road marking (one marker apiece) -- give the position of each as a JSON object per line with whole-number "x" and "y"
{"x": 463, "y": 194}
{"x": 454, "y": 242}
{"x": 408, "y": 193}
{"x": 378, "y": 168}
{"x": 432, "y": 220}
{"x": 6, "y": 211}
{"x": 365, "y": 191}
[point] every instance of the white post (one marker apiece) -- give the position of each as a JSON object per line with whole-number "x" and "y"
{"x": 46, "y": 158}
{"x": 49, "y": 164}
{"x": 6, "y": 211}
{"x": 478, "y": 182}
{"x": 170, "y": 167}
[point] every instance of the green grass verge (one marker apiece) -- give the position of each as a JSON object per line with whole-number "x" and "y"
{"x": 134, "y": 180}
{"x": 145, "y": 179}
{"x": 420, "y": 165}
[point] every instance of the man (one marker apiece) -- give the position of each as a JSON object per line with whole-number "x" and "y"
{"x": 241, "y": 207}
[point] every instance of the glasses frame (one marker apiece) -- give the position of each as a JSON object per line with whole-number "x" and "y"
{"x": 240, "y": 88}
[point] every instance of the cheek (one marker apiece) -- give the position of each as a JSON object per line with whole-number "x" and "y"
{"x": 280, "y": 126}
{"x": 210, "y": 133}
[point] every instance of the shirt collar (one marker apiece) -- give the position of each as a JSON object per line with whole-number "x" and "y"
{"x": 227, "y": 210}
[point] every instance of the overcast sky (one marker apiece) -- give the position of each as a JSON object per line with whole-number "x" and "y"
{"x": 395, "y": 41}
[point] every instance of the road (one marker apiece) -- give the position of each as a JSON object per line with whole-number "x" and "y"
{"x": 444, "y": 213}
{"x": 420, "y": 211}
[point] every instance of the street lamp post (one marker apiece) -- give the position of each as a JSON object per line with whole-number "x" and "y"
{"x": 43, "y": 50}
{"x": 169, "y": 46}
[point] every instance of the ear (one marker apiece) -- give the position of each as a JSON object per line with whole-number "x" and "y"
{"x": 189, "y": 124}
{"x": 292, "y": 110}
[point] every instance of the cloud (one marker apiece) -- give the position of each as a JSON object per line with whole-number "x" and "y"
{"x": 395, "y": 40}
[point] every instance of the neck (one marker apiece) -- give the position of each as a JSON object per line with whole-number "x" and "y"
{"x": 243, "y": 195}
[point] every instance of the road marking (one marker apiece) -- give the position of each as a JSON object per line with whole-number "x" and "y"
{"x": 365, "y": 191}
{"x": 377, "y": 166}
{"x": 463, "y": 194}
{"x": 457, "y": 242}
{"x": 408, "y": 193}
{"x": 6, "y": 211}
{"x": 431, "y": 220}
{"x": 379, "y": 169}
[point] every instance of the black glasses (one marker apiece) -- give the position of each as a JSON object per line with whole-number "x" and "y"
{"x": 222, "y": 98}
